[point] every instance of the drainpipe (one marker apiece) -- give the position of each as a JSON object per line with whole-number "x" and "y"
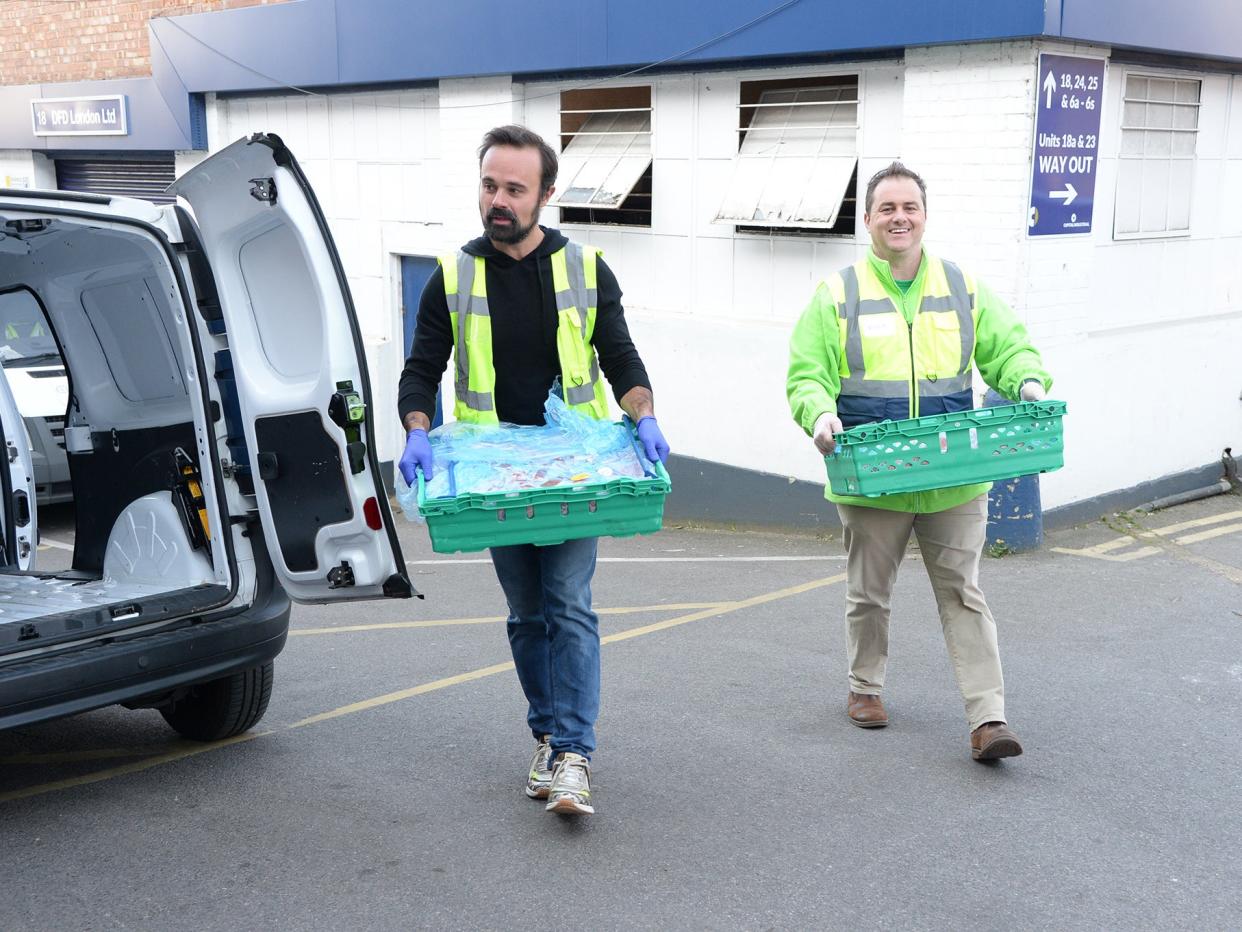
{"x": 1226, "y": 484}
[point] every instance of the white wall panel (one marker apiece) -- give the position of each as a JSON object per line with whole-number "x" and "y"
{"x": 341, "y": 127}
{"x": 752, "y": 278}
{"x": 712, "y": 269}
{"x": 793, "y": 277}
{"x": 673, "y": 118}
{"x": 672, "y": 270}
{"x": 319, "y": 128}
{"x": 717, "y": 116}
{"x": 672, "y": 211}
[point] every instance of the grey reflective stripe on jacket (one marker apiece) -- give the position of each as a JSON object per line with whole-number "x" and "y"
{"x": 854, "y": 307}
{"x": 580, "y": 297}
{"x": 463, "y": 304}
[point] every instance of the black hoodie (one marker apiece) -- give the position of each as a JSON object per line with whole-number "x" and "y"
{"x": 522, "y": 304}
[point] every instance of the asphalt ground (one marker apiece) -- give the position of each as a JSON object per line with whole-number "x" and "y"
{"x": 383, "y": 790}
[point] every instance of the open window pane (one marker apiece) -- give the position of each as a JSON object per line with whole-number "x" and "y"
{"x": 608, "y": 149}
{"x": 609, "y": 155}
{"x": 796, "y": 156}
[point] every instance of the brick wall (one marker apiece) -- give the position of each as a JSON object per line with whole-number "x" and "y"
{"x": 52, "y": 41}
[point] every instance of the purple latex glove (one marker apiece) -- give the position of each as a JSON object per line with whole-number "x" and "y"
{"x": 417, "y": 453}
{"x": 654, "y": 444}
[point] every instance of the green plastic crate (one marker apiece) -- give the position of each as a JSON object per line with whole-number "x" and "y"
{"x": 620, "y": 507}
{"x": 945, "y": 450}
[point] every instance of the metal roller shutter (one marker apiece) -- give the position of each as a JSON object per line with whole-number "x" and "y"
{"x": 144, "y": 178}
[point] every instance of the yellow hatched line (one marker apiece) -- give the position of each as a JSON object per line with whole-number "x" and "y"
{"x": 1095, "y": 554}
{"x": 1103, "y": 551}
{"x": 491, "y": 619}
{"x": 1208, "y": 535}
{"x": 722, "y": 608}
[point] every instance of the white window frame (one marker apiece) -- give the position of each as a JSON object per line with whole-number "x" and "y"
{"x": 1126, "y": 135}
{"x": 768, "y": 153}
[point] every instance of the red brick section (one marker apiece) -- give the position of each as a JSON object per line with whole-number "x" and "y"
{"x": 48, "y": 41}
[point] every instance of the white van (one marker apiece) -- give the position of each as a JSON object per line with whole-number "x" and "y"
{"x": 219, "y": 438}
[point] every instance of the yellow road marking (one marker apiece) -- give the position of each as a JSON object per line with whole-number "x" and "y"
{"x": 1198, "y": 522}
{"x": 1114, "y": 558}
{"x": 71, "y": 757}
{"x": 400, "y": 694}
{"x": 721, "y": 608}
{"x": 492, "y": 619}
{"x": 145, "y": 764}
{"x": 1208, "y": 535}
{"x": 1104, "y": 551}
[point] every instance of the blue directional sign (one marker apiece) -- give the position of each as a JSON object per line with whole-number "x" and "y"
{"x": 1067, "y": 143}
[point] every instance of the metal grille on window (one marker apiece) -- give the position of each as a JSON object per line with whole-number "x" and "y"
{"x": 1159, "y": 132}
{"x": 605, "y": 166}
{"x": 797, "y": 159}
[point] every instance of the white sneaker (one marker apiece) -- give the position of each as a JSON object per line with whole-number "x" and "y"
{"x": 570, "y": 792}
{"x": 539, "y": 778}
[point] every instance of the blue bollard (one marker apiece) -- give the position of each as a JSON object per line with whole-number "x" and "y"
{"x": 1015, "y": 516}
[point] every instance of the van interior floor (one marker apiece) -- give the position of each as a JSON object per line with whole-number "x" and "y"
{"x": 38, "y": 610}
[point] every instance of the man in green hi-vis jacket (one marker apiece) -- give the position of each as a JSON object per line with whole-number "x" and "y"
{"x": 896, "y": 335}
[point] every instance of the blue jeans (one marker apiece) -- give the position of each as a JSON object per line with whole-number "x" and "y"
{"x": 554, "y": 637}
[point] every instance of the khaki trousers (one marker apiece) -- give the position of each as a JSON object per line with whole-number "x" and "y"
{"x": 951, "y": 542}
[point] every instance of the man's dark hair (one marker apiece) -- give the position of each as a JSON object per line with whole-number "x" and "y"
{"x": 895, "y": 170}
{"x": 522, "y": 138}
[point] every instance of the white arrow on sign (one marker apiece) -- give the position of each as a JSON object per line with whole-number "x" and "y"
{"x": 1067, "y": 195}
{"x": 1050, "y": 85}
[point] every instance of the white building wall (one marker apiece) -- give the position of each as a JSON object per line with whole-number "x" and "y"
{"x": 1128, "y": 328}
{"x": 22, "y": 168}
{"x": 1143, "y": 335}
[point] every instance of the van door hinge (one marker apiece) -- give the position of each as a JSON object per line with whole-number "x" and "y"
{"x": 263, "y": 189}
{"x": 341, "y": 577}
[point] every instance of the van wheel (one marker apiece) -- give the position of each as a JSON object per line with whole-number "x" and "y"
{"x": 222, "y": 708}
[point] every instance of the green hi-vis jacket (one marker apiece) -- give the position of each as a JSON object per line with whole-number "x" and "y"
{"x": 907, "y": 359}
{"x": 574, "y": 284}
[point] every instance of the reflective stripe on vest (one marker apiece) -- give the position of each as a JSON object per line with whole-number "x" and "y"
{"x": 574, "y": 285}
{"x": 854, "y": 311}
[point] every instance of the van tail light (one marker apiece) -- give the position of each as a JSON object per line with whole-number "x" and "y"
{"x": 370, "y": 508}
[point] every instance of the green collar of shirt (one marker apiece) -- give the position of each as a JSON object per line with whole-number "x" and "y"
{"x": 907, "y": 298}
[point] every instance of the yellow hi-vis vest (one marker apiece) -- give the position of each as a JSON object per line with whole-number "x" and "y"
{"x": 894, "y": 369}
{"x": 574, "y": 284}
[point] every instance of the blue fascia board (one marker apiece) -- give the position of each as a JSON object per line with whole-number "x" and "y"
{"x": 389, "y": 41}
{"x": 1200, "y": 28}
{"x": 353, "y": 43}
{"x": 255, "y": 48}
{"x": 159, "y": 117}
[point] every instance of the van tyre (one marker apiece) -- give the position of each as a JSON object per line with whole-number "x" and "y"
{"x": 222, "y": 708}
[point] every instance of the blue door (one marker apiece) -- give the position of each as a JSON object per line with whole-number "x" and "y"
{"x": 415, "y": 271}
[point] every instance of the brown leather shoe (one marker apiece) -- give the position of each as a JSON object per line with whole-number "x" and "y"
{"x": 994, "y": 740}
{"x": 866, "y": 711}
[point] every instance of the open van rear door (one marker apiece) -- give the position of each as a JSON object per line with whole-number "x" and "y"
{"x": 20, "y": 517}
{"x": 300, "y": 374}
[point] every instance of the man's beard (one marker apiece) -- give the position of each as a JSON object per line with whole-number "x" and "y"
{"x": 511, "y": 234}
